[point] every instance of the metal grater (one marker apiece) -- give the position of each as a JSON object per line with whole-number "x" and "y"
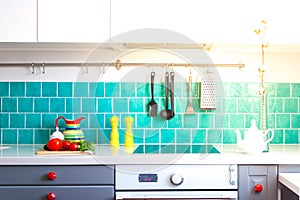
{"x": 208, "y": 95}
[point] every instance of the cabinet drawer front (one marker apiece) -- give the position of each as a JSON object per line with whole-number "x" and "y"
{"x": 61, "y": 192}
{"x": 65, "y": 175}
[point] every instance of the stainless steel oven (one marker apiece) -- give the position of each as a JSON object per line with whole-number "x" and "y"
{"x": 211, "y": 182}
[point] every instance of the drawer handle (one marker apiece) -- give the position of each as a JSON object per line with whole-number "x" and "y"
{"x": 51, "y": 176}
{"x": 51, "y": 196}
{"x": 258, "y": 188}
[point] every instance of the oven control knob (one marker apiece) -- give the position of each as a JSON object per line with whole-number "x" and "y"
{"x": 176, "y": 179}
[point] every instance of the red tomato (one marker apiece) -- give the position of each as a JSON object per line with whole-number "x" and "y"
{"x": 66, "y": 144}
{"x": 55, "y": 144}
{"x": 74, "y": 146}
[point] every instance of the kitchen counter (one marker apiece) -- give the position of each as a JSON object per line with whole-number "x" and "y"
{"x": 230, "y": 154}
{"x": 291, "y": 181}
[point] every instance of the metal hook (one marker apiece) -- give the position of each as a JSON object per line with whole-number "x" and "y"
{"x": 32, "y": 68}
{"x": 103, "y": 68}
{"x": 43, "y": 68}
{"x": 86, "y": 68}
{"x": 118, "y": 64}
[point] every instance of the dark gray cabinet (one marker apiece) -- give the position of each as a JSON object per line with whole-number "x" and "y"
{"x": 69, "y": 182}
{"x": 257, "y": 182}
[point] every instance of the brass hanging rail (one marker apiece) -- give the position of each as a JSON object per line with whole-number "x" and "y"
{"x": 118, "y": 64}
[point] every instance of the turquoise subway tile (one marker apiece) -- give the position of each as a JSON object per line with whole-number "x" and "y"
{"x": 100, "y": 121}
{"x": 159, "y": 90}
{"x": 17, "y": 89}
{"x": 283, "y": 121}
{"x": 283, "y": 90}
{"x": 25, "y": 105}
{"x": 205, "y": 121}
{"x": 167, "y": 149}
{"x": 271, "y": 120}
{"x": 250, "y": 116}
{"x": 152, "y": 148}
{"x": 81, "y": 89}
{"x": 33, "y": 120}
{"x": 291, "y": 105}
{"x": 136, "y": 105}
{"x": 9, "y": 104}
{"x": 230, "y": 105}
{"x": 112, "y": 89}
{"x": 198, "y": 136}
{"x": 138, "y": 136}
{"x": 25, "y": 136}
{"x": 236, "y": 89}
{"x": 296, "y": 120}
{"x": 33, "y": 89}
{"x": 48, "y": 120}
{"x": 49, "y": 89}
{"x": 65, "y": 89}
{"x": 237, "y": 121}
{"x": 180, "y": 104}
{"x": 104, "y": 136}
{"x": 214, "y": 136}
{"x": 295, "y": 89}
{"x": 183, "y": 136}
{"x": 105, "y": 105}
{"x": 178, "y": 87}
{"x": 275, "y": 105}
{"x": 89, "y": 105}
{"x": 4, "y": 89}
{"x": 90, "y": 135}
{"x": 4, "y": 121}
{"x": 143, "y": 121}
{"x": 42, "y": 136}
{"x": 41, "y": 104}
{"x": 17, "y": 120}
{"x": 278, "y": 137}
{"x": 128, "y": 89}
{"x": 96, "y": 89}
{"x": 73, "y": 105}
{"x": 221, "y": 90}
{"x": 10, "y": 136}
{"x": 167, "y": 136}
{"x": 158, "y": 122}
{"x": 120, "y": 105}
{"x": 229, "y": 136}
{"x": 58, "y": 105}
{"x": 183, "y": 149}
{"x": 221, "y": 120}
{"x": 291, "y": 136}
{"x": 152, "y": 136}
{"x": 245, "y": 105}
{"x": 176, "y": 121}
{"x": 143, "y": 89}
{"x": 190, "y": 121}
{"x": 271, "y": 90}
{"x": 93, "y": 121}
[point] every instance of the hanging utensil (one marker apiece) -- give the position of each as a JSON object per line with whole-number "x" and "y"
{"x": 208, "y": 94}
{"x": 152, "y": 106}
{"x": 172, "y": 95}
{"x": 167, "y": 113}
{"x": 190, "y": 109}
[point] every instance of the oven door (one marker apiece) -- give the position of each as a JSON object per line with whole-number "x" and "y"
{"x": 208, "y": 195}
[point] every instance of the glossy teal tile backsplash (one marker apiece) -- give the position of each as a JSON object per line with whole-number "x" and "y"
{"x": 28, "y": 111}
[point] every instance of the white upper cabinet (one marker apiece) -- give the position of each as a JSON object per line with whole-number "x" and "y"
{"x": 18, "y": 20}
{"x": 84, "y": 21}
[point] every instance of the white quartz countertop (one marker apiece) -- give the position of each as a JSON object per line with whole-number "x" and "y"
{"x": 230, "y": 154}
{"x": 291, "y": 181}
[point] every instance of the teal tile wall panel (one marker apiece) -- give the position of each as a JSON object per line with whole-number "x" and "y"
{"x": 30, "y": 109}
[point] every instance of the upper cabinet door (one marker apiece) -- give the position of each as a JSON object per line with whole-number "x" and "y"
{"x": 18, "y": 20}
{"x": 84, "y": 21}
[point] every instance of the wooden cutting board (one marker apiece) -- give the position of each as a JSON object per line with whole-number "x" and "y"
{"x": 46, "y": 152}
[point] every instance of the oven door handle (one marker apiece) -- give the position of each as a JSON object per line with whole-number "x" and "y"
{"x": 225, "y": 195}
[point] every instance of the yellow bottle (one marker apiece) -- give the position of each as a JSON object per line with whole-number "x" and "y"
{"x": 129, "y": 144}
{"x": 114, "y": 136}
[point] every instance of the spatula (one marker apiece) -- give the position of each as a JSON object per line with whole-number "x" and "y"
{"x": 152, "y": 106}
